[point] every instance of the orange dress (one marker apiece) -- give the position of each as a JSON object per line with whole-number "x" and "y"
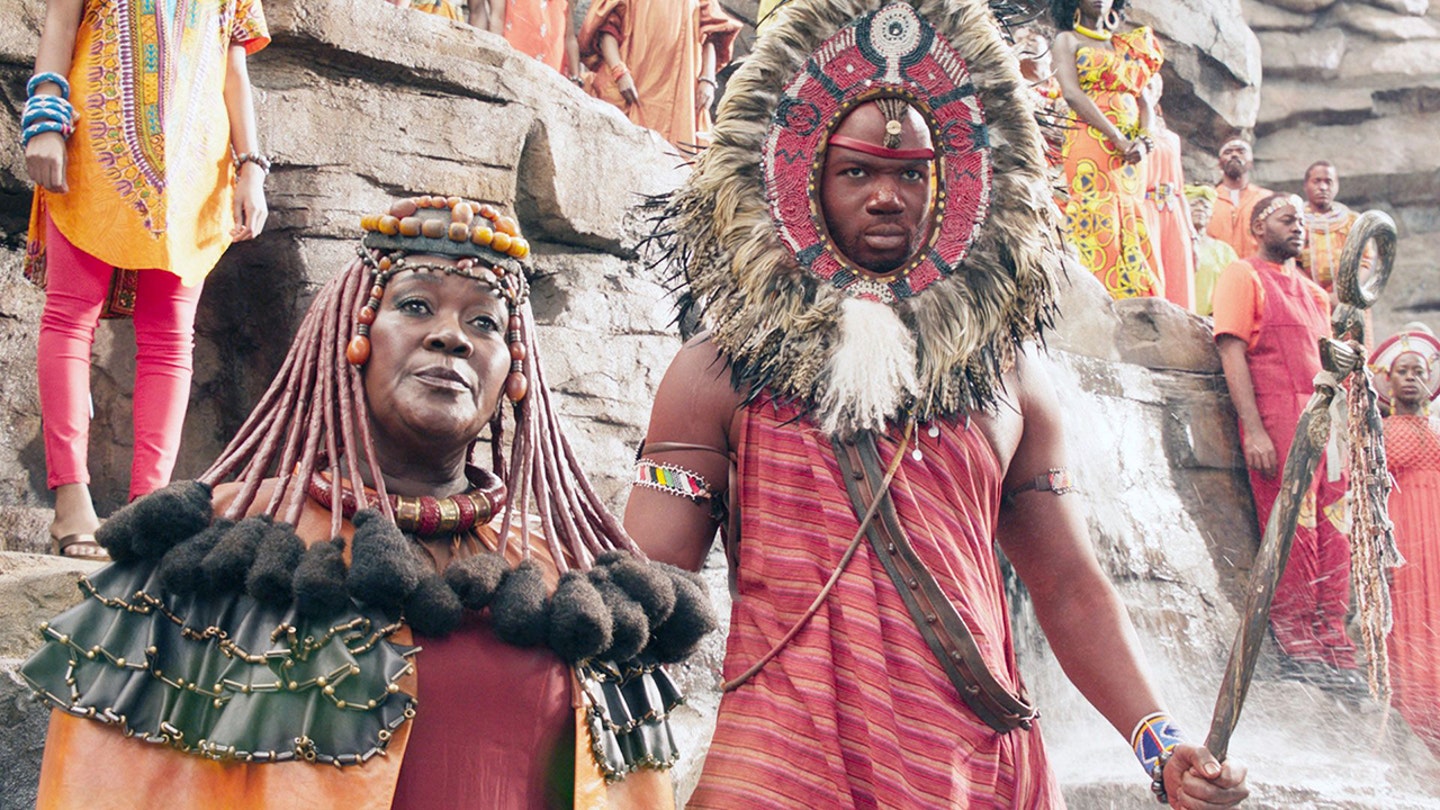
{"x": 1104, "y": 215}
{"x": 661, "y": 41}
{"x": 1165, "y": 203}
{"x": 149, "y": 164}
{"x": 1412, "y": 447}
{"x": 537, "y": 28}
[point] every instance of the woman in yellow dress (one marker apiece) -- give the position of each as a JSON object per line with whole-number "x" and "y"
{"x": 1102, "y": 73}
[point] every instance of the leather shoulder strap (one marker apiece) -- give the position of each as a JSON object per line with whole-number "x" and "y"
{"x": 934, "y": 615}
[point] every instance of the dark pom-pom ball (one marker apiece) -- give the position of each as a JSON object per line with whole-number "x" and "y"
{"x": 520, "y": 612}
{"x": 631, "y": 631}
{"x": 580, "y": 624}
{"x": 276, "y": 558}
{"x": 383, "y": 567}
{"x": 154, "y": 524}
{"x": 180, "y": 570}
{"x": 432, "y": 609}
{"x": 229, "y": 562}
{"x": 319, "y": 582}
{"x": 475, "y": 579}
{"x": 693, "y": 618}
{"x": 644, "y": 583}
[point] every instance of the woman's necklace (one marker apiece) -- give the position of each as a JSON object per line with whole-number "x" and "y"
{"x": 1100, "y": 36}
{"x": 426, "y": 516}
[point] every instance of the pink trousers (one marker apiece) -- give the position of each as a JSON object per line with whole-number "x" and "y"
{"x": 75, "y": 290}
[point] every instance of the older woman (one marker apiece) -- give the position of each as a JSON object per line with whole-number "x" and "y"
{"x": 1408, "y": 380}
{"x": 362, "y": 588}
{"x": 1103, "y": 72}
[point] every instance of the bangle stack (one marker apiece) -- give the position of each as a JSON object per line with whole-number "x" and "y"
{"x": 252, "y": 157}
{"x": 1153, "y": 740}
{"x": 47, "y": 113}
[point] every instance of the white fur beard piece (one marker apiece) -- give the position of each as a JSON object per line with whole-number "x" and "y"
{"x": 870, "y": 372}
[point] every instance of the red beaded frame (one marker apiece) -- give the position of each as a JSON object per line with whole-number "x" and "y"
{"x": 1389, "y": 350}
{"x": 892, "y": 52}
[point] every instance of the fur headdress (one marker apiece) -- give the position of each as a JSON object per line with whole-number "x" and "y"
{"x": 747, "y": 240}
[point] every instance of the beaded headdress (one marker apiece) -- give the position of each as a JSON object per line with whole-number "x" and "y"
{"x": 749, "y": 244}
{"x": 1416, "y": 342}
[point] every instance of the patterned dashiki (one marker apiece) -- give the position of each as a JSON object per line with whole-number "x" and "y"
{"x": 149, "y": 164}
{"x": 855, "y": 711}
{"x": 1104, "y": 216}
{"x": 1325, "y": 236}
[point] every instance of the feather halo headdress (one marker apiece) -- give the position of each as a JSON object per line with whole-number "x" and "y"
{"x": 746, "y": 242}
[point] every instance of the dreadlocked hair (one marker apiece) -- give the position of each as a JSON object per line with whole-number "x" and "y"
{"x": 1062, "y": 12}
{"x": 315, "y": 413}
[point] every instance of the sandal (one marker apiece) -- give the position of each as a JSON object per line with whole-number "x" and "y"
{"x": 79, "y": 546}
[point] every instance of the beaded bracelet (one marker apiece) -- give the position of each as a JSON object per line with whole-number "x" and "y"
{"x": 53, "y": 78}
{"x": 47, "y": 108}
{"x": 252, "y": 157}
{"x": 1153, "y": 740}
{"x": 43, "y": 127}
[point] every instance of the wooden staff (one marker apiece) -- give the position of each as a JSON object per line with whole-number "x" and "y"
{"x": 1339, "y": 360}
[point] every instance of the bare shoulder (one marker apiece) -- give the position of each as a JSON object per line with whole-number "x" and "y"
{"x": 696, "y": 401}
{"x": 1023, "y": 428}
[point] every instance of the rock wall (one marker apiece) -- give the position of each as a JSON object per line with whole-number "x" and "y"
{"x": 1357, "y": 82}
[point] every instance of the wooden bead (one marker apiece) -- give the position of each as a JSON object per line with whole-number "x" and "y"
{"x": 501, "y": 241}
{"x": 384, "y": 263}
{"x": 404, "y": 208}
{"x": 410, "y": 226}
{"x": 519, "y": 248}
{"x": 517, "y": 351}
{"x": 451, "y": 202}
{"x": 508, "y": 226}
{"x": 424, "y": 201}
{"x": 514, "y": 324}
{"x": 376, "y": 293}
{"x": 389, "y": 225}
{"x": 464, "y": 212}
{"x": 358, "y": 351}
{"x": 367, "y": 316}
{"x": 459, "y": 232}
{"x": 488, "y": 211}
{"x": 367, "y": 223}
{"x": 515, "y": 386}
{"x": 433, "y": 228}
{"x": 482, "y": 235}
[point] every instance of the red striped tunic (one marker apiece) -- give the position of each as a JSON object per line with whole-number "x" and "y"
{"x": 855, "y": 712}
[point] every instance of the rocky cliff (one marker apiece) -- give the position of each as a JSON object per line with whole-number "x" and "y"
{"x": 360, "y": 102}
{"x": 1357, "y": 82}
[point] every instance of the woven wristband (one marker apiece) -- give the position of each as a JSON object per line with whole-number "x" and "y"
{"x": 1152, "y": 740}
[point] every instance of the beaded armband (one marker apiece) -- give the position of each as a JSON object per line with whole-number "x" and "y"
{"x": 673, "y": 480}
{"x": 1154, "y": 737}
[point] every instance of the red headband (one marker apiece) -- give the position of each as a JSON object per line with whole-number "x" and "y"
{"x": 881, "y": 151}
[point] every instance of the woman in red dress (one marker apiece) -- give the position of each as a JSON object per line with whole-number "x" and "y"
{"x": 1408, "y": 380}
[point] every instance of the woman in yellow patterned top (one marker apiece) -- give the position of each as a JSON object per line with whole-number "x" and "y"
{"x": 140, "y": 136}
{"x": 1102, "y": 73}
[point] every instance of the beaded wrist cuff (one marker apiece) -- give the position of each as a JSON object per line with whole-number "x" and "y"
{"x": 673, "y": 480}
{"x": 1154, "y": 737}
{"x": 45, "y": 113}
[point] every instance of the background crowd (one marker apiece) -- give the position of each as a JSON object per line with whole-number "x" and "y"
{"x": 1263, "y": 266}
